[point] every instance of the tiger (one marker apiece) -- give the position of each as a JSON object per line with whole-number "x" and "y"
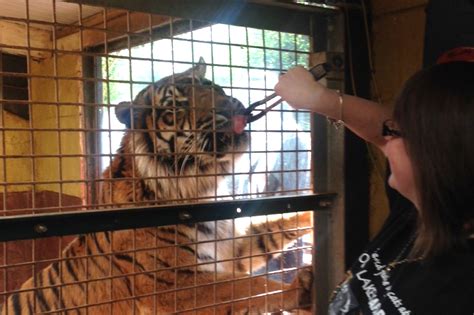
{"x": 180, "y": 135}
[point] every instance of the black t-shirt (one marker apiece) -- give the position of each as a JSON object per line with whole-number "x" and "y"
{"x": 443, "y": 285}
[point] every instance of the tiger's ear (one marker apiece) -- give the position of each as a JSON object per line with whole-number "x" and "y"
{"x": 122, "y": 112}
{"x": 199, "y": 70}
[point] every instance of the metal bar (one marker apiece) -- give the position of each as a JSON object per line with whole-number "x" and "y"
{"x": 328, "y": 166}
{"x": 357, "y": 76}
{"x": 71, "y": 223}
{"x": 321, "y": 261}
{"x": 91, "y": 144}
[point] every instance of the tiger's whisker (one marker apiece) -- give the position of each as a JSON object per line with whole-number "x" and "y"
{"x": 186, "y": 158}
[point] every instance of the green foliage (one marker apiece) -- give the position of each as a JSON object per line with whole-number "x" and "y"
{"x": 276, "y": 50}
{"x": 111, "y": 67}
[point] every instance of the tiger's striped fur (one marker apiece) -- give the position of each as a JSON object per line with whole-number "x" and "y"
{"x": 175, "y": 137}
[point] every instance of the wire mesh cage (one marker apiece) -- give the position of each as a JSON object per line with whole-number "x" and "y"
{"x": 127, "y": 128}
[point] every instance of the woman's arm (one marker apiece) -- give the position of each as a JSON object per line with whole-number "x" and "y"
{"x": 362, "y": 116}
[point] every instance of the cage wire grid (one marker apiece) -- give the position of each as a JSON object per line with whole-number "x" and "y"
{"x": 67, "y": 142}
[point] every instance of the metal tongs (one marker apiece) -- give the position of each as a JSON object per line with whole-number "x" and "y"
{"x": 318, "y": 71}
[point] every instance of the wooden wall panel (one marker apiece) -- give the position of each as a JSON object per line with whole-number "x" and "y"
{"x": 398, "y": 29}
{"x": 398, "y": 49}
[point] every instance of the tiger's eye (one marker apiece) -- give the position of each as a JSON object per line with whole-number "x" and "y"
{"x": 168, "y": 118}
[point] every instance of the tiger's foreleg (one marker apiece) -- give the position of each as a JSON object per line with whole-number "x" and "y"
{"x": 227, "y": 293}
{"x": 268, "y": 237}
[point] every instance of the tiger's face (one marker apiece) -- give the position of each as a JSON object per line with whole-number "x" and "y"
{"x": 186, "y": 121}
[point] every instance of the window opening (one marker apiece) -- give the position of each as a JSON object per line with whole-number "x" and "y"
{"x": 246, "y": 63}
{"x": 14, "y": 87}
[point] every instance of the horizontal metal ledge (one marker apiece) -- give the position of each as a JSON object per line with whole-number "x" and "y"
{"x": 72, "y": 223}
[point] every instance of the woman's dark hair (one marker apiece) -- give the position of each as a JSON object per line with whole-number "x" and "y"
{"x": 435, "y": 111}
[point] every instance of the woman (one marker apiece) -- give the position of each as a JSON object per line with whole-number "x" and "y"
{"x": 422, "y": 262}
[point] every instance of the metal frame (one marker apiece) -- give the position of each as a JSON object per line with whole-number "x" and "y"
{"x": 324, "y": 23}
{"x": 328, "y": 166}
{"x": 71, "y": 223}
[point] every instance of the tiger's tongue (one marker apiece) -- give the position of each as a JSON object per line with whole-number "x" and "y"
{"x": 238, "y": 123}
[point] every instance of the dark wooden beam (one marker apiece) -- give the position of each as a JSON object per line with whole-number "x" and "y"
{"x": 284, "y": 17}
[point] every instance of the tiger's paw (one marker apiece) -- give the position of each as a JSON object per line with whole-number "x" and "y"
{"x": 304, "y": 284}
{"x": 305, "y": 279}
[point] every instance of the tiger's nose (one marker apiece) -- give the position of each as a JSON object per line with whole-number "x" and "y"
{"x": 231, "y": 106}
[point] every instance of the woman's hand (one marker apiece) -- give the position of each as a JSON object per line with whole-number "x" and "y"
{"x": 299, "y": 88}
{"x": 363, "y": 117}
